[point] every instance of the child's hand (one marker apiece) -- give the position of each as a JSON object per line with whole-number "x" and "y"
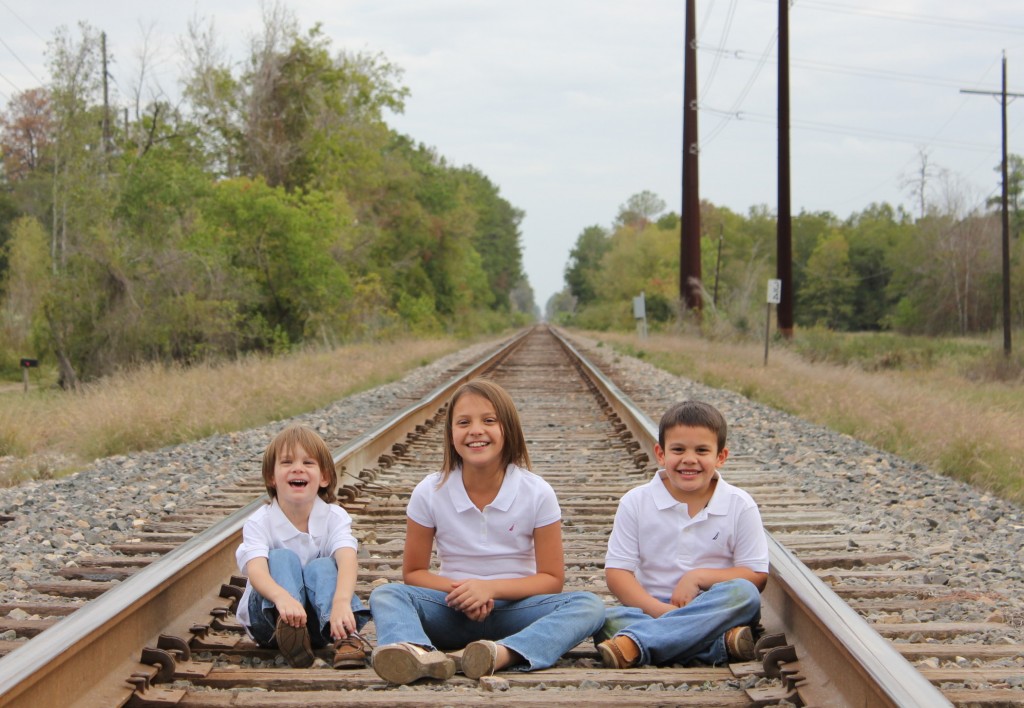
{"x": 292, "y": 612}
{"x": 470, "y": 595}
{"x": 480, "y": 614}
{"x": 686, "y": 589}
{"x": 343, "y": 622}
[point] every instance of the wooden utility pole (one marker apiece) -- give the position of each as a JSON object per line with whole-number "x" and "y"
{"x": 1007, "y": 344}
{"x": 689, "y": 224}
{"x": 106, "y": 101}
{"x": 784, "y": 227}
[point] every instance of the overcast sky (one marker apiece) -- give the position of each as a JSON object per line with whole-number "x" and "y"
{"x": 572, "y": 106}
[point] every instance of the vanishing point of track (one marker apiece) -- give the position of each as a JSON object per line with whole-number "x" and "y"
{"x": 166, "y": 635}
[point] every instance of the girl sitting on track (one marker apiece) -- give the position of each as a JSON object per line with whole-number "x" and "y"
{"x": 499, "y": 541}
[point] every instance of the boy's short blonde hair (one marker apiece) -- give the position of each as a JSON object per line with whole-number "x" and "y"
{"x": 301, "y": 436}
{"x": 694, "y": 414}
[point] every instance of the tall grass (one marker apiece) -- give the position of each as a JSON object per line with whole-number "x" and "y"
{"x": 943, "y": 414}
{"x": 156, "y": 406}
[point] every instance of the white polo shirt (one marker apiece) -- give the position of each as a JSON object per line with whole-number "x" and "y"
{"x": 655, "y": 538}
{"x": 330, "y": 528}
{"x": 494, "y": 543}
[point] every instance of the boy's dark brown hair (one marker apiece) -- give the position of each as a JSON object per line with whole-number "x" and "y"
{"x": 695, "y": 414}
{"x": 514, "y": 447}
{"x": 301, "y": 436}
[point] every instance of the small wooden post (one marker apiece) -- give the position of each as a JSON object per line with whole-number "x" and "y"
{"x": 27, "y": 364}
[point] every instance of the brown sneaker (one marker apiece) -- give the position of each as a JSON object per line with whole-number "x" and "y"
{"x": 619, "y": 652}
{"x": 739, "y": 644}
{"x": 293, "y": 643}
{"x": 404, "y": 663}
{"x": 350, "y": 652}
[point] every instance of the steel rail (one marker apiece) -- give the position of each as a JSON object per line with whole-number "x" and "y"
{"x": 839, "y": 659}
{"x": 842, "y": 659}
{"x": 85, "y": 660}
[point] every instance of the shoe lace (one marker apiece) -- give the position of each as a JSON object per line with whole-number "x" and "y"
{"x": 354, "y": 639}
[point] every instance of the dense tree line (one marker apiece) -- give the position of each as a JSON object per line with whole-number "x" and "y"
{"x": 936, "y": 272}
{"x": 271, "y": 206}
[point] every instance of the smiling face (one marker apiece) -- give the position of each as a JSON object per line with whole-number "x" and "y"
{"x": 690, "y": 458}
{"x": 477, "y": 434}
{"x": 297, "y": 476}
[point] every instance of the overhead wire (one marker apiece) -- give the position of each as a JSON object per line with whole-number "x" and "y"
{"x": 912, "y": 17}
{"x": 743, "y": 92}
{"x": 726, "y": 26}
{"x": 825, "y": 127}
{"x": 18, "y": 18}
{"x": 735, "y": 112}
{"x": 18, "y": 89}
{"x": 23, "y": 64}
{"x": 845, "y": 69}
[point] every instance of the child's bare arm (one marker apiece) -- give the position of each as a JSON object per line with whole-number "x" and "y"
{"x": 343, "y": 622}
{"x": 698, "y": 579}
{"x": 290, "y": 609}
{"x": 416, "y": 559}
{"x": 628, "y": 590}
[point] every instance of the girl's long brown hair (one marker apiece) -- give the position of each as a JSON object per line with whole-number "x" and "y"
{"x": 514, "y": 446}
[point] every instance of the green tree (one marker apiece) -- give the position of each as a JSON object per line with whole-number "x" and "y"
{"x": 496, "y": 234}
{"x": 24, "y": 285}
{"x": 646, "y": 261}
{"x": 584, "y": 267}
{"x": 828, "y": 289}
{"x": 874, "y": 234}
{"x": 639, "y": 210}
{"x": 276, "y": 249}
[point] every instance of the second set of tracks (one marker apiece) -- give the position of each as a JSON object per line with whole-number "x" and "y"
{"x": 166, "y": 636}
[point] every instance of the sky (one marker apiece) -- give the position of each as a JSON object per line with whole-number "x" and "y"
{"x": 572, "y": 106}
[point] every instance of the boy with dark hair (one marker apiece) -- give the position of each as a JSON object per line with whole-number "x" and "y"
{"x": 687, "y": 556}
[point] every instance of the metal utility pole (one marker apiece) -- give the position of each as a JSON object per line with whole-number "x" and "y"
{"x": 1007, "y": 344}
{"x": 689, "y": 246}
{"x": 784, "y": 228}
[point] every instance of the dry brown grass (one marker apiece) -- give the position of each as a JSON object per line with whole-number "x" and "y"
{"x": 966, "y": 429}
{"x": 50, "y": 432}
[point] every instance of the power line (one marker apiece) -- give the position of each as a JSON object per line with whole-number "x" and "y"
{"x": 846, "y": 69}
{"x": 823, "y": 127}
{"x": 912, "y": 17}
{"x": 13, "y": 85}
{"x": 744, "y": 91}
{"x": 30, "y": 28}
{"x": 730, "y": 14}
{"x": 15, "y": 55}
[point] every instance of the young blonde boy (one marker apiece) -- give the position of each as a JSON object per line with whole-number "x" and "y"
{"x": 300, "y": 557}
{"x": 687, "y": 556}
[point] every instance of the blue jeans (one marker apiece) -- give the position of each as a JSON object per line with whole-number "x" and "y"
{"x": 692, "y": 633}
{"x": 313, "y": 586}
{"x": 540, "y": 628}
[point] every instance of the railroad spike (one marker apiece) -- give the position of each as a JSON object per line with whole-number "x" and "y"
{"x": 161, "y": 658}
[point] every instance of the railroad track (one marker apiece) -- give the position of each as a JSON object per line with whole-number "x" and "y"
{"x": 162, "y": 633}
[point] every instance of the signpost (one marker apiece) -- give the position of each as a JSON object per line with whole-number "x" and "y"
{"x": 640, "y": 314}
{"x": 774, "y": 298}
{"x": 27, "y": 364}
